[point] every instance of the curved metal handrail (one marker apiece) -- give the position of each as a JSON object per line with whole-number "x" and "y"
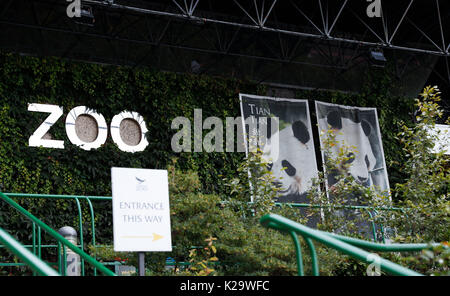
{"x": 345, "y": 245}
{"x": 57, "y": 236}
{"x": 25, "y": 255}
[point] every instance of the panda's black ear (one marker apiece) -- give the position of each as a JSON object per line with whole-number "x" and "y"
{"x": 334, "y": 119}
{"x": 301, "y": 131}
{"x": 366, "y": 127}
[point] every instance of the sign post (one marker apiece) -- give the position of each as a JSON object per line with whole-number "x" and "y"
{"x": 141, "y": 263}
{"x": 141, "y": 212}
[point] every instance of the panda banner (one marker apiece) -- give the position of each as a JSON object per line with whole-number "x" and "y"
{"x": 357, "y": 128}
{"x": 288, "y": 147}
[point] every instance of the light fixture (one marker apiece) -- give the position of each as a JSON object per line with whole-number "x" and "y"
{"x": 377, "y": 58}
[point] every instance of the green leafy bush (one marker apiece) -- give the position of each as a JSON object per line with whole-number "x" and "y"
{"x": 425, "y": 194}
{"x": 422, "y": 197}
{"x": 241, "y": 245}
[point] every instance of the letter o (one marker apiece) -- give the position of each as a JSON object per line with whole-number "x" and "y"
{"x": 117, "y": 138}
{"x": 71, "y": 129}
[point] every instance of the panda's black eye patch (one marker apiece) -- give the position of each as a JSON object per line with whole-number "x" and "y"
{"x": 269, "y": 166}
{"x": 300, "y": 131}
{"x": 367, "y": 161}
{"x": 351, "y": 157}
{"x": 290, "y": 170}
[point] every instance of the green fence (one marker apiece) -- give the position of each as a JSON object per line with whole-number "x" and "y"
{"x": 38, "y": 226}
{"x": 345, "y": 245}
{"x": 30, "y": 259}
{"x": 369, "y": 210}
{"x": 36, "y": 230}
{"x": 36, "y": 246}
{"x": 62, "y": 243}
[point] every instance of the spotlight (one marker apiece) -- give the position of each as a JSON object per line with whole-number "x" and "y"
{"x": 377, "y": 58}
{"x": 86, "y": 16}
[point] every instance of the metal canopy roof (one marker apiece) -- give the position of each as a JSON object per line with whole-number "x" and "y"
{"x": 309, "y": 43}
{"x": 412, "y": 25}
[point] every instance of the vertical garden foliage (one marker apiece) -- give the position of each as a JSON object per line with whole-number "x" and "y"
{"x": 159, "y": 97}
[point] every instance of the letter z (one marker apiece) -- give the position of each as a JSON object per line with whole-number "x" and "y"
{"x": 36, "y": 139}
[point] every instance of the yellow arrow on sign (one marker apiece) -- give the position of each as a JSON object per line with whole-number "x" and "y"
{"x": 156, "y": 237}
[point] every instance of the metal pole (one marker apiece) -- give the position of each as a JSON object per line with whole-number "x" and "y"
{"x": 141, "y": 263}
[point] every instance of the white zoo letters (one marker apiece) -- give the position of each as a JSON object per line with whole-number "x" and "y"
{"x": 37, "y": 140}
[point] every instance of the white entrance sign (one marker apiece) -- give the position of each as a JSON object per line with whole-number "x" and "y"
{"x": 141, "y": 213}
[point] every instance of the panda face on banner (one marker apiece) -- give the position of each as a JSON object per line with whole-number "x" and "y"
{"x": 292, "y": 168}
{"x": 355, "y": 135}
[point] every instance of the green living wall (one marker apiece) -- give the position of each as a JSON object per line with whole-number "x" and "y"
{"x": 159, "y": 97}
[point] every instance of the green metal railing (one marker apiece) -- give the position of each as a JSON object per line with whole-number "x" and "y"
{"x": 36, "y": 230}
{"x": 346, "y": 245}
{"x": 369, "y": 210}
{"x": 37, "y": 245}
{"x": 29, "y": 259}
{"x": 62, "y": 242}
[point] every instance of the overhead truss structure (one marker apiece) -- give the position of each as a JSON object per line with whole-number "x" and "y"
{"x": 260, "y": 16}
{"x": 309, "y": 43}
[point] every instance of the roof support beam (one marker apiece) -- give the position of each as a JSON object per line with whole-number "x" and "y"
{"x": 400, "y": 22}
{"x": 264, "y": 9}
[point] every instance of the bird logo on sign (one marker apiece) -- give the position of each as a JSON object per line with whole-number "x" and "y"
{"x": 140, "y": 180}
{"x": 140, "y": 186}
